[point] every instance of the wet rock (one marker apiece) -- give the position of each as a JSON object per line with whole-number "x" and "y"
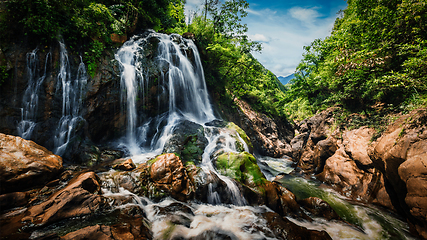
{"x": 315, "y": 142}
{"x": 270, "y": 137}
{"x": 210, "y": 188}
{"x": 166, "y": 176}
{"x": 127, "y": 165}
{"x": 256, "y": 189}
{"x": 78, "y": 198}
{"x": 242, "y": 135}
{"x": 176, "y": 213}
{"x": 356, "y": 143}
{"x": 319, "y": 208}
{"x": 282, "y": 228}
{"x": 83, "y": 152}
{"x": 242, "y": 167}
{"x": 282, "y": 201}
{"x": 187, "y": 140}
{"x": 25, "y": 164}
{"x": 12, "y": 200}
{"x": 344, "y": 175}
{"x": 91, "y": 232}
{"x": 401, "y": 153}
{"x": 103, "y": 116}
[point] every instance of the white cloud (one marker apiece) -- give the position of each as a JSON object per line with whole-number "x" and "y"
{"x": 287, "y": 30}
{"x": 307, "y": 16}
{"x": 284, "y": 31}
{"x": 259, "y": 38}
{"x": 250, "y": 11}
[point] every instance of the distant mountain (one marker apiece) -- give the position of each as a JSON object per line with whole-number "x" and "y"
{"x": 285, "y": 80}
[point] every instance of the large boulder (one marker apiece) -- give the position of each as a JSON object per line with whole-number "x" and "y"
{"x": 25, "y": 164}
{"x": 400, "y": 154}
{"x": 315, "y": 141}
{"x": 350, "y": 169}
{"x": 269, "y": 137}
{"x": 80, "y": 197}
{"x": 135, "y": 228}
{"x": 188, "y": 140}
{"x": 242, "y": 167}
{"x": 283, "y": 228}
{"x": 166, "y": 176}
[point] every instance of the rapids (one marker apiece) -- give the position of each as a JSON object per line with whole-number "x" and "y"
{"x": 183, "y": 91}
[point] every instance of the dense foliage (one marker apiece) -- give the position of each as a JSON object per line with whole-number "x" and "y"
{"x": 96, "y": 19}
{"x": 85, "y": 25}
{"x": 376, "y": 55}
{"x": 231, "y": 71}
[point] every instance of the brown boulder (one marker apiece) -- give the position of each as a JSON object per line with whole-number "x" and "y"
{"x": 315, "y": 143}
{"x": 127, "y": 165}
{"x": 25, "y": 164}
{"x": 314, "y": 156}
{"x": 128, "y": 228}
{"x": 401, "y": 153}
{"x": 344, "y": 175}
{"x": 91, "y": 232}
{"x": 78, "y": 198}
{"x": 282, "y": 201}
{"x": 15, "y": 199}
{"x": 319, "y": 208}
{"x": 283, "y": 228}
{"x": 167, "y": 174}
{"x": 356, "y": 143}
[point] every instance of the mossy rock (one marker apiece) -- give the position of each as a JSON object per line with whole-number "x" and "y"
{"x": 242, "y": 167}
{"x": 188, "y": 141}
{"x": 243, "y": 135}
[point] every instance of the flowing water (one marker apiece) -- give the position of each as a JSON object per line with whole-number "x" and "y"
{"x": 183, "y": 82}
{"x": 73, "y": 90}
{"x": 180, "y": 82}
{"x": 367, "y": 221}
{"x": 30, "y": 100}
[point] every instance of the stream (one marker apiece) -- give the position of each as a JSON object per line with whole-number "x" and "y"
{"x": 183, "y": 90}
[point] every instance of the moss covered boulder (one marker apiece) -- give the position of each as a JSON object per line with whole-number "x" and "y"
{"x": 188, "y": 140}
{"x": 242, "y": 167}
{"x": 242, "y": 135}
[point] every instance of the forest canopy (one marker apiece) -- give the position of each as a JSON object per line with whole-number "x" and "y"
{"x": 376, "y": 54}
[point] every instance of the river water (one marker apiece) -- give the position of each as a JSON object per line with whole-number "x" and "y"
{"x": 182, "y": 81}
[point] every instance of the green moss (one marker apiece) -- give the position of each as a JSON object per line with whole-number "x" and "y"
{"x": 192, "y": 151}
{"x": 242, "y": 134}
{"x": 242, "y": 167}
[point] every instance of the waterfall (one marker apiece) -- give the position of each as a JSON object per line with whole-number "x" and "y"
{"x": 30, "y": 99}
{"x": 72, "y": 94}
{"x": 224, "y": 141}
{"x": 182, "y": 79}
{"x": 184, "y": 83}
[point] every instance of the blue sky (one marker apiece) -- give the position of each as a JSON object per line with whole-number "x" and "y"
{"x": 284, "y": 27}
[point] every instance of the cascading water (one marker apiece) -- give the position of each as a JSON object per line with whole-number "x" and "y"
{"x": 30, "y": 99}
{"x": 183, "y": 81}
{"x": 72, "y": 94}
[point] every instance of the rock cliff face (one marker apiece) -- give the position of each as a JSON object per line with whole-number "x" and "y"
{"x": 389, "y": 171}
{"x": 401, "y": 155}
{"x": 270, "y": 137}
